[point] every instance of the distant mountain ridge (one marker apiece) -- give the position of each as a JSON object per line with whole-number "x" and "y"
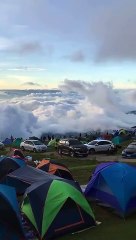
{"x": 132, "y": 112}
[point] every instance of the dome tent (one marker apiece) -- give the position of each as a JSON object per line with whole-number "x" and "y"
{"x": 16, "y": 143}
{"x": 55, "y": 168}
{"x": 56, "y": 207}
{"x": 114, "y": 183}
{"x": 10, "y": 218}
{"x": 9, "y": 164}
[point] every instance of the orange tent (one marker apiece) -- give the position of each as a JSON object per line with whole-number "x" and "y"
{"x": 55, "y": 168}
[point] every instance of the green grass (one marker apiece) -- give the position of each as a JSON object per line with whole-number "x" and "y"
{"x": 112, "y": 227}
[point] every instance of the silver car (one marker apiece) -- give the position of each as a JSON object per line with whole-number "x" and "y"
{"x": 33, "y": 145}
{"x": 100, "y": 146}
{"x": 2, "y": 145}
{"x": 131, "y": 148}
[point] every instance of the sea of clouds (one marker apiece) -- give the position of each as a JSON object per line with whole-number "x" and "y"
{"x": 77, "y": 106}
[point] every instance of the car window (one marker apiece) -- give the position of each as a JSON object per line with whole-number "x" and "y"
{"x": 103, "y": 143}
{"x": 67, "y": 143}
{"x": 37, "y": 143}
{"x": 26, "y": 142}
{"x": 74, "y": 142}
{"x": 92, "y": 143}
{"x": 100, "y": 143}
{"x": 132, "y": 146}
{"x": 30, "y": 143}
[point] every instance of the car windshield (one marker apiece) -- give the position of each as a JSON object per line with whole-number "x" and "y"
{"x": 131, "y": 146}
{"x": 37, "y": 143}
{"x": 75, "y": 142}
{"x": 134, "y": 144}
{"x": 92, "y": 143}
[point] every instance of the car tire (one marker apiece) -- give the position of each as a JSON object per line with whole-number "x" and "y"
{"x": 91, "y": 151}
{"x": 34, "y": 150}
{"x": 22, "y": 148}
{"x": 72, "y": 154}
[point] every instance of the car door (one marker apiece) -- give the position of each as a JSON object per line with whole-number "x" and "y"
{"x": 26, "y": 145}
{"x": 67, "y": 149}
{"x": 106, "y": 145}
{"x": 30, "y": 146}
{"x": 99, "y": 146}
{"x": 62, "y": 146}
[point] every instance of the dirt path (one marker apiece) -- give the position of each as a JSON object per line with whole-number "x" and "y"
{"x": 105, "y": 158}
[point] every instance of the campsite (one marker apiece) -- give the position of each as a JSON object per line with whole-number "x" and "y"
{"x": 108, "y": 221}
{"x": 68, "y": 120}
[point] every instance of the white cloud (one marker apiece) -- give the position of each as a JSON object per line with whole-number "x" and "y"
{"x": 88, "y": 106}
{"x": 31, "y": 84}
{"x": 25, "y": 68}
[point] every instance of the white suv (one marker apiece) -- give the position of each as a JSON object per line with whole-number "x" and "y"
{"x": 33, "y": 145}
{"x": 100, "y": 146}
{"x": 1, "y": 145}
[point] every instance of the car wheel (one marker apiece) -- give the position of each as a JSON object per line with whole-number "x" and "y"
{"x": 34, "y": 150}
{"x": 72, "y": 154}
{"x": 59, "y": 152}
{"x": 22, "y": 148}
{"x": 91, "y": 151}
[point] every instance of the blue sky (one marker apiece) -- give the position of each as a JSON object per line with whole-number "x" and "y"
{"x": 43, "y": 42}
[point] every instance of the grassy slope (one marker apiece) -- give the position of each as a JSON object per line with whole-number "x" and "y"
{"x": 112, "y": 226}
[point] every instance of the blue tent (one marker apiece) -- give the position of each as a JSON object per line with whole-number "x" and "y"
{"x": 7, "y": 141}
{"x": 8, "y": 164}
{"x": 10, "y": 218}
{"x": 114, "y": 183}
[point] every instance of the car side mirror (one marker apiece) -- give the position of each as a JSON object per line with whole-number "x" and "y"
{"x": 96, "y": 144}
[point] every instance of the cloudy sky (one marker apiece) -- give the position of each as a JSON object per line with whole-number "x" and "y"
{"x": 44, "y": 42}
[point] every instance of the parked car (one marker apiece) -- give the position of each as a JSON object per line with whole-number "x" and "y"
{"x": 100, "y": 146}
{"x": 33, "y": 145}
{"x": 2, "y": 145}
{"x": 72, "y": 147}
{"x": 130, "y": 151}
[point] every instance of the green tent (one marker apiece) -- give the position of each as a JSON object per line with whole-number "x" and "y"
{"x": 117, "y": 140}
{"x": 16, "y": 142}
{"x": 52, "y": 143}
{"x": 56, "y": 207}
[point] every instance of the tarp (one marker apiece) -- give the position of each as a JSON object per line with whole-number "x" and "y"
{"x": 25, "y": 176}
